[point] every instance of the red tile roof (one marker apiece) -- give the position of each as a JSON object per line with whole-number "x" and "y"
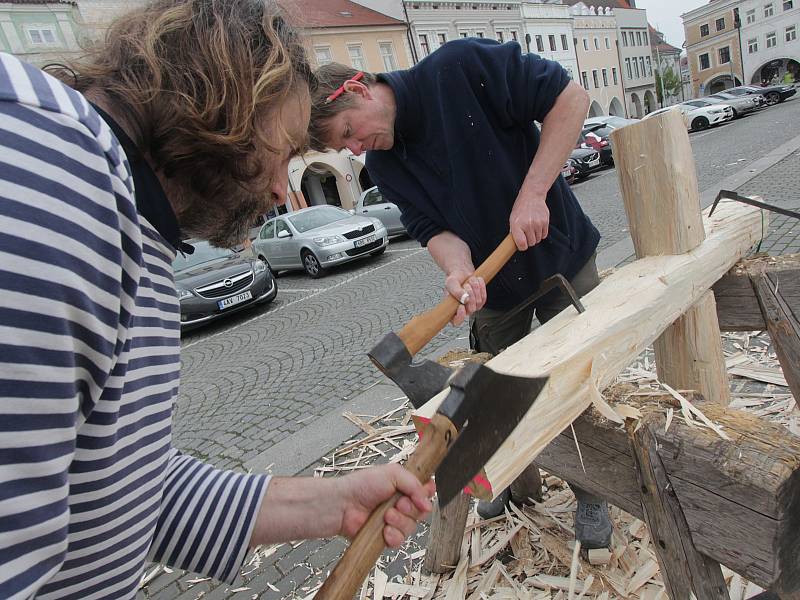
{"x": 333, "y": 13}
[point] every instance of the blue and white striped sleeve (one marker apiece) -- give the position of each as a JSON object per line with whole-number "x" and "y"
{"x": 68, "y": 267}
{"x": 207, "y": 517}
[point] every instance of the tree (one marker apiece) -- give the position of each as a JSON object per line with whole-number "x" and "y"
{"x": 669, "y": 83}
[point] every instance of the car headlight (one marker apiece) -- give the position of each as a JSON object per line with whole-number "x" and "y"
{"x": 377, "y": 222}
{"x": 184, "y": 294}
{"x": 328, "y": 240}
{"x": 259, "y": 266}
{"x": 716, "y": 111}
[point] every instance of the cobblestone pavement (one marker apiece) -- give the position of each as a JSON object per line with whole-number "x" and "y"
{"x": 261, "y": 376}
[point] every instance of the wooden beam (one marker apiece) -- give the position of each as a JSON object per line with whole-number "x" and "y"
{"x": 737, "y": 305}
{"x": 658, "y": 179}
{"x": 740, "y": 498}
{"x": 582, "y": 353}
{"x": 446, "y": 535}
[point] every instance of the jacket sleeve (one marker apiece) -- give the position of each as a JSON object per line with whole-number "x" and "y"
{"x": 207, "y": 517}
{"x": 519, "y": 87}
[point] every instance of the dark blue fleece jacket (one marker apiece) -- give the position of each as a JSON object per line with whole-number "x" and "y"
{"x": 464, "y": 140}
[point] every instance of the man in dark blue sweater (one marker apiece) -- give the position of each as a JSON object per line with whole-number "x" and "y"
{"x": 454, "y": 143}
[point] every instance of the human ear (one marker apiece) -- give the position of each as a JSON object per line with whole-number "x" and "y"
{"x": 356, "y": 87}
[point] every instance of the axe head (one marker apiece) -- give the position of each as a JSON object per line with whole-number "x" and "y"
{"x": 485, "y": 406}
{"x": 420, "y": 381}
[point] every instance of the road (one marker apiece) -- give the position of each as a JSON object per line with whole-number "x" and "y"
{"x": 260, "y": 376}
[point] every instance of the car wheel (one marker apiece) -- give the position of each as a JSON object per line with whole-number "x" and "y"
{"x": 735, "y": 113}
{"x": 773, "y": 98}
{"x": 269, "y": 266}
{"x": 311, "y": 265}
{"x": 378, "y": 252}
{"x": 699, "y": 123}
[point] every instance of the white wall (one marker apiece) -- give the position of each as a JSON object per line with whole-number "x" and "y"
{"x": 758, "y": 30}
{"x": 547, "y": 20}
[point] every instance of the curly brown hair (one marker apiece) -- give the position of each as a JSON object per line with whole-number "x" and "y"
{"x": 195, "y": 81}
{"x": 329, "y": 78}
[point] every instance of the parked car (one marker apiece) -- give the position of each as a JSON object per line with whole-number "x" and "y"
{"x": 568, "y": 171}
{"x": 597, "y": 137}
{"x": 317, "y": 238}
{"x": 773, "y": 94}
{"x": 372, "y": 203}
{"x": 756, "y": 101}
{"x": 213, "y": 282}
{"x": 739, "y": 105}
{"x": 699, "y": 117}
{"x": 612, "y": 121}
{"x": 585, "y": 160}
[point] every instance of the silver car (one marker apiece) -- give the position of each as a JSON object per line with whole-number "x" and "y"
{"x": 373, "y": 204}
{"x": 741, "y": 105}
{"x": 317, "y": 238}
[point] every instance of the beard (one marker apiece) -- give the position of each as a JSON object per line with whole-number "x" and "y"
{"x": 224, "y": 218}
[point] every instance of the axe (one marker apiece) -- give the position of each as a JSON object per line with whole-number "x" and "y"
{"x": 481, "y": 409}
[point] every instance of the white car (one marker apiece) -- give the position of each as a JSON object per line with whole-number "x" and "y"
{"x": 373, "y": 204}
{"x": 699, "y": 117}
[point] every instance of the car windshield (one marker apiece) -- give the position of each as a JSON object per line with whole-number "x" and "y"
{"x": 722, "y": 96}
{"x": 318, "y": 217}
{"x": 699, "y": 103}
{"x": 203, "y": 252}
{"x": 602, "y": 131}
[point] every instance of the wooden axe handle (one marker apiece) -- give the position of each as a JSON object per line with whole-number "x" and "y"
{"x": 421, "y": 329}
{"x": 366, "y": 547}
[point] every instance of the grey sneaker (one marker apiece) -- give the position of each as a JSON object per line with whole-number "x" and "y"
{"x": 593, "y": 525}
{"x": 495, "y": 508}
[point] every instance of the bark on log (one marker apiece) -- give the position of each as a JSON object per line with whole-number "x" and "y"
{"x": 741, "y": 498}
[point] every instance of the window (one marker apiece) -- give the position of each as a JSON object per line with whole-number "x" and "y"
{"x": 628, "y": 68}
{"x": 772, "y": 40}
{"x": 514, "y": 35}
{"x": 605, "y": 77}
{"x": 464, "y": 34}
{"x": 788, "y": 4}
{"x": 624, "y": 38}
{"x": 585, "y": 80}
{"x": 41, "y": 36}
{"x": 636, "y": 68}
{"x": 768, "y": 10}
{"x": 721, "y": 24}
{"x": 443, "y": 39}
{"x": 500, "y": 37}
{"x": 596, "y": 44}
{"x": 423, "y": 43}
{"x": 479, "y": 34}
{"x": 638, "y": 38}
{"x": 751, "y": 16}
{"x": 705, "y": 63}
{"x": 594, "y": 78}
{"x": 649, "y": 67}
{"x": 608, "y": 44}
{"x": 539, "y": 44}
{"x": 704, "y": 30}
{"x": 614, "y": 75}
{"x": 356, "y": 53}
{"x": 752, "y": 46}
{"x": 724, "y": 55}
{"x": 641, "y": 63}
{"x": 564, "y": 42}
{"x": 323, "y": 54}
{"x": 791, "y": 33}
{"x": 586, "y": 44}
{"x": 552, "y": 40}
{"x": 387, "y": 54}
{"x": 268, "y": 231}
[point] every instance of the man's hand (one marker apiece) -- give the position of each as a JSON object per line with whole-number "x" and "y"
{"x": 471, "y": 296}
{"x": 530, "y": 219}
{"x": 361, "y": 492}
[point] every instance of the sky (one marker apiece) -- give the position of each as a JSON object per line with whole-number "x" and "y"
{"x": 665, "y": 15}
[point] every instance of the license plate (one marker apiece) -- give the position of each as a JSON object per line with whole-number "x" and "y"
{"x": 234, "y": 300}
{"x": 363, "y": 242}
{"x": 566, "y": 173}
{"x": 594, "y": 162}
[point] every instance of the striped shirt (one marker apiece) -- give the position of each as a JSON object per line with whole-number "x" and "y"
{"x": 90, "y": 487}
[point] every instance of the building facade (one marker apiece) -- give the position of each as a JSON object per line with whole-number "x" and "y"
{"x": 667, "y": 61}
{"x": 97, "y": 15}
{"x": 548, "y": 32}
{"x": 712, "y": 46}
{"x": 769, "y": 36}
{"x": 595, "y": 41}
{"x": 636, "y": 61}
{"x": 41, "y": 32}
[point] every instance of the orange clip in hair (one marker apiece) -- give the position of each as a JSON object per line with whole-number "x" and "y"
{"x": 340, "y": 90}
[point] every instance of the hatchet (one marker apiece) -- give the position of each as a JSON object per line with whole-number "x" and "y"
{"x": 481, "y": 409}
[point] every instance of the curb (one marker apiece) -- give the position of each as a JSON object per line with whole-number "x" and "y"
{"x": 299, "y": 451}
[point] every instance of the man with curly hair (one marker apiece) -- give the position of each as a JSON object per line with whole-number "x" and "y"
{"x": 180, "y": 124}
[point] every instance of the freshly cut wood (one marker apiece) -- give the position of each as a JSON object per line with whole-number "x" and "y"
{"x": 658, "y": 179}
{"x": 583, "y": 352}
{"x": 740, "y": 497}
